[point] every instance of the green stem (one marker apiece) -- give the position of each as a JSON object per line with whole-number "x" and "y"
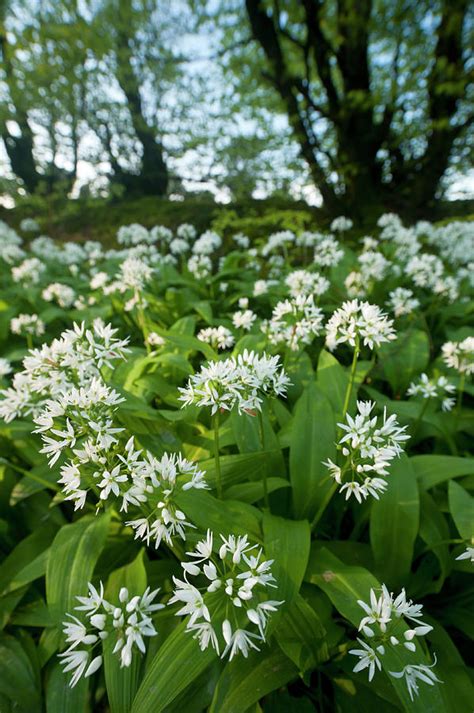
{"x": 417, "y": 423}
{"x": 347, "y": 398}
{"x": 350, "y": 385}
{"x": 215, "y": 420}
{"x": 29, "y": 341}
{"x": 266, "y": 499}
{"x": 462, "y": 382}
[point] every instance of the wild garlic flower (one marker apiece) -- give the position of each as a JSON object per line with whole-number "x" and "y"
{"x": 134, "y": 234}
{"x": 417, "y": 672}
{"x": 262, "y": 287}
{"x": 74, "y": 359}
{"x": 28, "y": 272}
{"x": 468, "y": 554}
{"x": 62, "y": 294}
{"x": 402, "y": 301}
{"x": 439, "y": 389}
{"x": 368, "y": 448}
{"x": 5, "y": 367}
{"x": 283, "y": 239}
{"x": 200, "y": 266}
{"x": 227, "y": 607}
{"x": 460, "y": 355}
{"x": 244, "y": 319}
{"x": 240, "y": 382}
{"x": 303, "y": 282}
{"x": 127, "y": 622}
{"x": 294, "y": 322}
{"x": 134, "y": 274}
{"x": 218, "y": 337}
{"x": 425, "y": 270}
{"x": 27, "y": 324}
{"x": 356, "y": 285}
{"x": 155, "y": 340}
{"x": 160, "y": 480}
{"x": 328, "y": 252}
{"x": 341, "y": 224}
{"x": 356, "y": 320}
{"x": 390, "y": 621}
{"x": 207, "y": 244}
{"x": 186, "y": 232}
{"x": 178, "y": 246}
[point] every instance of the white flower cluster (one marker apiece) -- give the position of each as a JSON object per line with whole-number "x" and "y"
{"x": 5, "y": 367}
{"x": 402, "y": 301}
{"x": 218, "y": 337}
{"x": 341, "y": 224}
{"x": 328, "y": 252}
{"x": 240, "y": 382}
{"x": 28, "y": 272}
{"x": 368, "y": 449}
{"x": 358, "y": 321}
{"x": 62, "y": 294}
{"x": 207, "y": 244}
{"x": 200, "y": 266}
{"x": 229, "y": 610}
{"x": 27, "y": 324}
{"x": 127, "y": 622}
{"x": 294, "y": 322}
{"x": 303, "y": 282}
{"x": 74, "y": 359}
{"x": 436, "y": 388}
{"x": 283, "y": 239}
{"x": 384, "y": 625}
{"x": 460, "y": 355}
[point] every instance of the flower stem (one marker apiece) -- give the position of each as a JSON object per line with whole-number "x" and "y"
{"x": 417, "y": 423}
{"x": 215, "y": 420}
{"x": 29, "y": 341}
{"x": 350, "y": 385}
{"x": 262, "y": 441}
{"x": 462, "y": 381}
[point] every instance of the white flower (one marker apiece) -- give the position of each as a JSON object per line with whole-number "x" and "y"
{"x": 244, "y": 319}
{"x": 460, "y": 355}
{"x": 468, "y": 554}
{"x": 62, "y": 294}
{"x": 413, "y": 673}
{"x": 368, "y": 658}
{"x": 218, "y": 337}
{"x": 234, "y": 581}
{"x": 27, "y": 324}
{"x": 368, "y": 448}
{"x": 328, "y": 252}
{"x": 358, "y": 320}
{"x": 341, "y": 224}
{"x": 294, "y": 322}
{"x": 5, "y": 367}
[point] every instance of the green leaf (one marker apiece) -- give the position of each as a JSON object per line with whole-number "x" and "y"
{"x": 432, "y": 470}
{"x": 312, "y": 441}
{"x": 60, "y": 697}
{"x": 461, "y": 507}
{"x": 287, "y": 542}
{"x": 245, "y": 681}
{"x": 72, "y": 558}
{"x": 177, "y": 664}
{"x": 17, "y": 676}
{"x": 300, "y": 633}
{"x": 404, "y": 358}
{"x": 394, "y": 523}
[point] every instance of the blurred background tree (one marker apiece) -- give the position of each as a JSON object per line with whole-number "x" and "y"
{"x": 379, "y": 94}
{"x": 362, "y": 105}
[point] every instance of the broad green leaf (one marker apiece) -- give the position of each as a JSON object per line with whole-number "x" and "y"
{"x": 404, "y": 358}
{"x": 394, "y": 524}
{"x": 461, "y": 506}
{"x": 60, "y": 697}
{"x": 287, "y": 542}
{"x": 312, "y": 441}
{"x": 434, "y": 532}
{"x": 254, "y": 491}
{"x": 432, "y": 470}
{"x": 72, "y": 558}
{"x": 177, "y": 664}
{"x": 17, "y": 677}
{"x": 300, "y": 633}
{"x": 245, "y": 681}
{"x": 229, "y": 517}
